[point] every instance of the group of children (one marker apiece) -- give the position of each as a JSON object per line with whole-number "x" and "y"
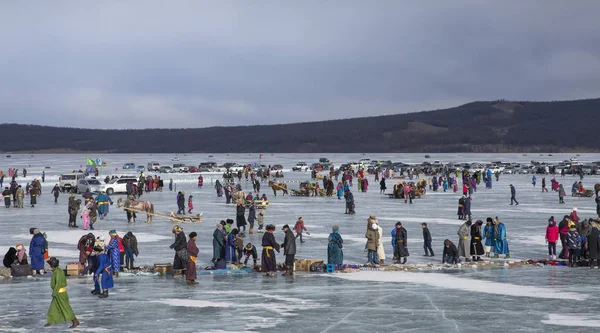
{"x": 579, "y": 240}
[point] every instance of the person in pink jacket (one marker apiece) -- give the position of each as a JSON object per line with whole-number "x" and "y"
{"x": 551, "y": 237}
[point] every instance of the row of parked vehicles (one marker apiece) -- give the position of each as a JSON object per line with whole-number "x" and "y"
{"x": 78, "y": 182}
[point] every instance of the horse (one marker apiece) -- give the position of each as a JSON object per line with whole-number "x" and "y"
{"x": 278, "y": 186}
{"x": 141, "y": 206}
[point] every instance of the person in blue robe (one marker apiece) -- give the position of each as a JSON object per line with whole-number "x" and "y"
{"x": 103, "y": 275}
{"x": 501, "y": 245}
{"x": 335, "y": 255}
{"x": 37, "y": 247}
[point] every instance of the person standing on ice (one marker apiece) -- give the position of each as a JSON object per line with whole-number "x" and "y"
{"x": 6, "y": 194}
{"x": 574, "y": 216}
{"x": 299, "y": 227}
{"x": 382, "y": 186}
{"x": 488, "y": 233}
{"x": 289, "y": 250}
{"x": 427, "y": 241}
{"x": 467, "y": 208}
{"x": 60, "y": 310}
{"x": 463, "y": 239}
{"x": 501, "y": 245}
{"x": 594, "y": 243}
{"x": 372, "y": 236}
{"x": 180, "y": 203}
{"x": 103, "y": 201}
{"x": 561, "y": 194}
{"x": 533, "y": 180}
{"x": 461, "y": 207}
{"x": 37, "y": 247}
{"x": 513, "y": 195}
{"x": 190, "y": 204}
{"x": 180, "y": 244}
{"x": 218, "y": 244}
{"x": 551, "y": 237}
{"x": 20, "y": 196}
{"x": 476, "y": 249}
{"x": 380, "y": 247}
{"x": 574, "y": 245}
{"x": 114, "y": 250}
{"x": 192, "y": 249}
{"x": 268, "y": 260}
{"x": 335, "y": 255}
{"x": 544, "y": 189}
{"x": 401, "y": 250}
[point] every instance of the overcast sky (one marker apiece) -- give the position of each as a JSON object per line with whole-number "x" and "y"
{"x": 137, "y": 64}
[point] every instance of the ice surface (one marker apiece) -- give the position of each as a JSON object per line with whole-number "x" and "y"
{"x": 539, "y": 299}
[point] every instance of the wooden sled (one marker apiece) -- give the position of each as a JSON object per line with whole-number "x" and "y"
{"x": 175, "y": 218}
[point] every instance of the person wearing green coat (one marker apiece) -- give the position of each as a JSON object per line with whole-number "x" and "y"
{"x": 60, "y": 310}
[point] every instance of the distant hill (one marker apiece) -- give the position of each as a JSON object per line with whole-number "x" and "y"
{"x": 497, "y": 126}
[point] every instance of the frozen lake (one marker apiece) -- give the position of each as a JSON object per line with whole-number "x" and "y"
{"x": 540, "y": 299}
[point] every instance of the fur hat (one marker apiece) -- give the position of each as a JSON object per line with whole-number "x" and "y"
{"x": 249, "y": 246}
{"x": 270, "y": 227}
{"x": 219, "y": 226}
{"x": 177, "y": 228}
{"x": 112, "y": 233}
{"x": 53, "y": 262}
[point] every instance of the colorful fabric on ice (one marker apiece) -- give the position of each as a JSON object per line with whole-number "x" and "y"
{"x": 501, "y": 245}
{"x": 335, "y": 255}
{"x": 114, "y": 252}
{"x": 37, "y": 247}
{"x": 104, "y": 278}
{"x": 60, "y": 310}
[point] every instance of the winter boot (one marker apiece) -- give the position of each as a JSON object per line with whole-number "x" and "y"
{"x": 381, "y": 261}
{"x": 131, "y": 267}
{"x": 96, "y": 292}
{"x": 507, "y": 256}
{"x": 75, "y": 323}
{"x": 478, "y": 258}
{"x": 432, "y": 255}
{"x": 104, "y": 294}
{"x": 403, "y": 260}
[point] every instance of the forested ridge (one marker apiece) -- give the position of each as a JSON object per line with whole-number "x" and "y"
{"x": 494, "y": 126}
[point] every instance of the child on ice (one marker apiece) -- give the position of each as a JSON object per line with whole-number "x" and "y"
{"x": 551, "y": 237}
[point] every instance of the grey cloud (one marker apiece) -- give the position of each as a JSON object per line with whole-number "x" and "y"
{"x": 207, "y": 63}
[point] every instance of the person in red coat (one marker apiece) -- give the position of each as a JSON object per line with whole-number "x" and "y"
{"x": 552, "y": 237}
{"x": 574, "y": 216}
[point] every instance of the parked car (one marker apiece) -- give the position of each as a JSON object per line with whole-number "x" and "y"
{"x": 165, "y": 169}
{"x": 276, "y": 167}
{"x": 153, "y": 166}
{"x": 140, "y": 168}
{"x": 117, "y": 185}
{"x": 300, "y": 166}
{"x": 69, "y": 181}
{"x": 179, "y": 167}
{"x": 129, "y": 166}
{"x": 192, "y": 168}
{"x": 92, "y": 183}
{"x": 323, "y": 160}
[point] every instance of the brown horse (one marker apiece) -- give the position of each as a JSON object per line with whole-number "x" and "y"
{"x": 141, "y": 206}
{"x": 278, "y": 186}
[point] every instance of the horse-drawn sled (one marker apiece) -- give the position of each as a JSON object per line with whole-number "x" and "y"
{"x": 583, "y": 194}
{"x": 146, "y": 207}
{"x": 307, "y": 189}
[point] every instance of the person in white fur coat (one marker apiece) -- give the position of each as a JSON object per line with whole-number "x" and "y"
{"x": 380, "y": 251}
